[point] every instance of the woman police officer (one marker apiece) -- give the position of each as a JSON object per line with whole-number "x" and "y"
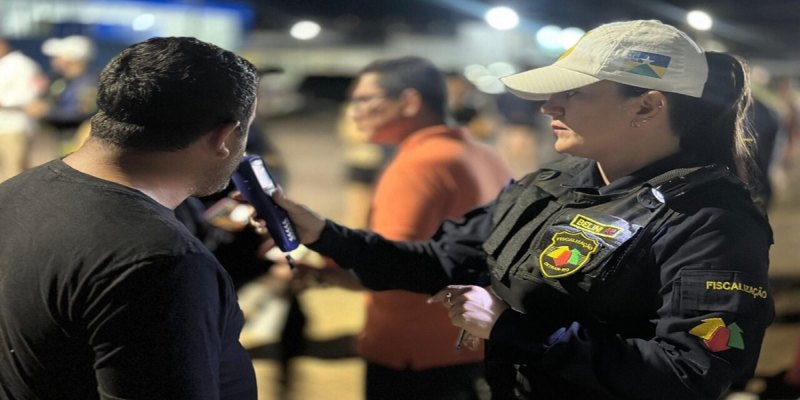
{"x": 635, "y": 269}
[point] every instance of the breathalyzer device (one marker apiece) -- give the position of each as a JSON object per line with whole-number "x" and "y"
{"x": 253, "y": 180}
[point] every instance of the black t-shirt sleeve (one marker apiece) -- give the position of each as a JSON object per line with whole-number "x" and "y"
{"x": 162, "y": 328}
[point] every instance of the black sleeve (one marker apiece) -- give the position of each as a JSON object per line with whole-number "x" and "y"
{"x": 453, "y": 256}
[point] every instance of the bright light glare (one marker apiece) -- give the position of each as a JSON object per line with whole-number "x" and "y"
{"x": 570, "y": 36}
{"x": 501, "y": 68}
{"x": 474, "y": 72}
{"x": 305, "y": 30}
{"x": 487, "y": 79}
{"x": 548, "y": 37}
{"x": 143, "y": 22}
{"x": 699, "y": 20}
{"x": 489, "y": 84}
{"x": 502, "y": 18}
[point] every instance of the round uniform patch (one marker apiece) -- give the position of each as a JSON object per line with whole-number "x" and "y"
{"x": 567, "y": 253}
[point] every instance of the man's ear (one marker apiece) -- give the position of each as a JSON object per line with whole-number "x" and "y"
{"x": 412, "y": 102}
{"x": 218, "y": 139}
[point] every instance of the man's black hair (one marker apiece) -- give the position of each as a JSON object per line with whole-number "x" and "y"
{"x": 164, "y": 93}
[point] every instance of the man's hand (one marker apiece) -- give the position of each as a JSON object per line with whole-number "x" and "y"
{"x": 36, "y": 108}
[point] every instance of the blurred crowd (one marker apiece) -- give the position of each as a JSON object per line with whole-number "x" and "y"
{"x": 44, "y": 107}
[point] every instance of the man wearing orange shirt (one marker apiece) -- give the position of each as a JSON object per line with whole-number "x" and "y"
{"x": 439, "y": 172}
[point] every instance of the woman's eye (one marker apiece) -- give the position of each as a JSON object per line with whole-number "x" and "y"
{"x": 570, "y": 93}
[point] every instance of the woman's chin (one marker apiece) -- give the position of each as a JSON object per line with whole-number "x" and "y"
{"x": 563, "y": 148}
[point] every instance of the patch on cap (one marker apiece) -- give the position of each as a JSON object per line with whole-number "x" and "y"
{"x": 647, "y": 64}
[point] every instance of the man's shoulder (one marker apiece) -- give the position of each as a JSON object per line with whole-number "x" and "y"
{"x": 92, "y": 216}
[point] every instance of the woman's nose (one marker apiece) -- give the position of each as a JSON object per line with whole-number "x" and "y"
{"x": 551, "y": 107}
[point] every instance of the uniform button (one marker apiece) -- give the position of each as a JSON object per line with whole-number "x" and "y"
{"x": 651, "y": 199}
{"x": 658, "y": 195}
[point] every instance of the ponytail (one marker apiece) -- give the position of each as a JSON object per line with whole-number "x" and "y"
{"x": 713, "y": 128}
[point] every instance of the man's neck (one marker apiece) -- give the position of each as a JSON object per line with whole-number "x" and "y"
{"x": 151, "y": 173}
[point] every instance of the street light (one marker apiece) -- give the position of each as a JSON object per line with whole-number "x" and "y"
{"x": 699, "y": 20}
{"x": 502, "y": 18}
{"x": 305, "y": 30}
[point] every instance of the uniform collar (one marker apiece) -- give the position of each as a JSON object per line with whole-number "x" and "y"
{"x": 591, "y": 180}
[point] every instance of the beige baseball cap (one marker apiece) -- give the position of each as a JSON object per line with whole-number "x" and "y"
{"x": 75, "y": 48}
{"x": 643, "y": 53}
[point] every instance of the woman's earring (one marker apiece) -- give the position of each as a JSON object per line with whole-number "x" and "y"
{"x": 635, "y": 123}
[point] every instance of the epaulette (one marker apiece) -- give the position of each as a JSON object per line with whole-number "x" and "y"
{"x": 677, "y": 182}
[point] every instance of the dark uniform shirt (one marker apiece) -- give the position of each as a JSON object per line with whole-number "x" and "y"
{"x": 613, "y": 294}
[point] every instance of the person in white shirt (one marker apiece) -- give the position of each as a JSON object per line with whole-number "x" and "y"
{"x": 21, "y": 82}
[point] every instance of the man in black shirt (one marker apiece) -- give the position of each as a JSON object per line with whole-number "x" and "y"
{"x": 103, "y": 293}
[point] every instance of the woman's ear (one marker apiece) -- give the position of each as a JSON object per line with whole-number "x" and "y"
{"x": 650, "y": 104}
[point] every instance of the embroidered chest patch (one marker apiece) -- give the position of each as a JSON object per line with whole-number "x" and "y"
{"x": 587, "y": 224}
{"x": 717, "y": 336}
{"x": 566, "y": 254}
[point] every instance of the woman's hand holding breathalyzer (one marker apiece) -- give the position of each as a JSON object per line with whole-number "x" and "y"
{"x": 307, "y": 223}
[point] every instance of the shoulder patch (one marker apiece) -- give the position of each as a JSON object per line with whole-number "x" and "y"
{"x": 717, "y": 336}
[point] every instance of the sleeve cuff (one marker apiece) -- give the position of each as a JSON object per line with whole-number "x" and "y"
{"x": 516, "y": 338}
{"x": 326, "y": 243}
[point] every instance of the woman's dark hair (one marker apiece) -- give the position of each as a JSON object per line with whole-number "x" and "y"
{"x": 713, "y": 128}
{"x": 398, "y": 74}
{"x": 164, "y": 93}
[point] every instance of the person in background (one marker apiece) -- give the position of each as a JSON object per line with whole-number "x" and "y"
{"x": 438, "y": 172}
{"x": 115, "y": 299}
{"x": 471, "y": 108}
{"x": 71, "y": 98}
{"x": 766, "y": 126}
{"x": 364, "y": 162}
{"x": 637, "y": 267}
{"x": 21, "y": 82}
